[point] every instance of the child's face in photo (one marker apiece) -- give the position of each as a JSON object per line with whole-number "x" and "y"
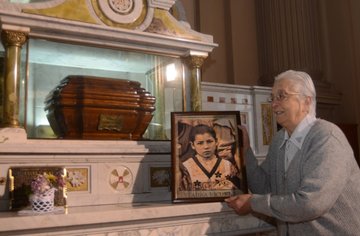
{"x": 204, "y": 145}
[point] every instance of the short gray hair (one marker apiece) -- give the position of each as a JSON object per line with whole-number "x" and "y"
{"x": 302, "y": 84}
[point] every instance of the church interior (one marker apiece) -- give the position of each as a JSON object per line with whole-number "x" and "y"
{"x": 98, "y": 90}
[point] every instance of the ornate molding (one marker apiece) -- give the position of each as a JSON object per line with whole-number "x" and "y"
{"x": 121, "y": 13}
{"x": 86, "y": 21}
{"x": 13, "y": 38}
{"x": 195, "y": 61}
{"x": 165, "y": 23}
{"x": 76, "y": 10}
{"x": 123, "y": 7}
{"x": 162, "y": 4}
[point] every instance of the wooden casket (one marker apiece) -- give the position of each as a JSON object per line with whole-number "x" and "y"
{"x": 88, "y": 107}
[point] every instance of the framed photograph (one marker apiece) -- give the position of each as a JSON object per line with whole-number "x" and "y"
{"x": 207, "y": 164}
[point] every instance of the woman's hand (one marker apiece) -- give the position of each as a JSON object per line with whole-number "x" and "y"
{"x": 240, "y": 203}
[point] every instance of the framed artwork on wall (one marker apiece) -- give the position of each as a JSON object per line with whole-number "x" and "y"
{"x": 207, "y": 164}
{"x": 267, "y": 124}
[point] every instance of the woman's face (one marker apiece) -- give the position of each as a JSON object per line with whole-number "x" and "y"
{"x": 204, "y": 145}
{"x": 289, "y": 107}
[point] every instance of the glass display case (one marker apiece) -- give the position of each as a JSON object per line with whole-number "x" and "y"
{"x": 45, "y": 63}
{"x": 43, "y": 43}
{"x": 49, "y": 62}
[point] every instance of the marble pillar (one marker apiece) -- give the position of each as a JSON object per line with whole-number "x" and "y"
{"x": 195, "y": 63}
{"x": 12, "y": 42}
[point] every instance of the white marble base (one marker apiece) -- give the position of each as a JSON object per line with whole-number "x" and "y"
{"x": 139, "y": 219}
{"x": 29, "y": 212}
{"x": 139, "y": 209}
{"x": 99, "y": 158}
{"x": 13, "y": 135}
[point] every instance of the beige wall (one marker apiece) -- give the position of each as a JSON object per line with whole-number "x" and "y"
{"x": 244, "y": 44}
{"x": 341, "y": 67}
{"x": 355, "y": 21}
{"x": 233, "y": 25}
{"x": 213, "y": 21}
{"x": 235, "y": 61}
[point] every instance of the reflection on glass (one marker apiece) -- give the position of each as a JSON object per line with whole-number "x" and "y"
{"x": 171, "y": 72}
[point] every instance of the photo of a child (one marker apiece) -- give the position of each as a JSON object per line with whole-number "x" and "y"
{"x": 206, "y": 158}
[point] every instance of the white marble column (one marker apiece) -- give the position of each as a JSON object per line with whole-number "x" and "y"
{"x": 12, "y": 38}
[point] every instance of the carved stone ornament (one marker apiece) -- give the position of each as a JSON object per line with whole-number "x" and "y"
{"x": 121, "y": 178}
{"x": 122, "y": 6}
{"x": 13, "y": 38}
{"x": 153, "y": 16}
{"x": 195, "y": 61}
{"x": 162, "y": 4}
{"x": 122, "y": 11}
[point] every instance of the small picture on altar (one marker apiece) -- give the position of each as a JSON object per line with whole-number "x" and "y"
{"x": 38, "y": 188}
{"x": 207, "y": 164}
{"x": 77, "y": 179}
{"x": 160, "y": 177}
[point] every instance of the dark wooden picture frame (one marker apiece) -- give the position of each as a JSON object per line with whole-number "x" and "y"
{"x": 207, "y": 164}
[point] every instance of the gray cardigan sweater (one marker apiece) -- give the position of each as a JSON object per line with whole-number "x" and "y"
{"x": 320, "y": 192}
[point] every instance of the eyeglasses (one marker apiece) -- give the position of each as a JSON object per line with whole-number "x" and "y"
{"x": 281, "y": 96}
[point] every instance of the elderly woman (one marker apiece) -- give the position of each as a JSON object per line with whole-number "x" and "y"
{"x": 309, "y": 181}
